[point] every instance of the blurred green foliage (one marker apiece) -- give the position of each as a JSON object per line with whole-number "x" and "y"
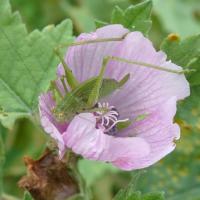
{"x": 24, "y": 139}
{"x": 178, "y": 16}
{"x": 178, "y": 174}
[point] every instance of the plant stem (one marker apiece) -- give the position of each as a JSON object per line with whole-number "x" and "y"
{"x": 84, "y": 191}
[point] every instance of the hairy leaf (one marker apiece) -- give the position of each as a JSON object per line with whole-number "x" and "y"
{"x": 27, "y": 61}
{"x": 123, "y": 195}
{"x": 130, "y": 194}
{"x": 135, "y": 18}
{"x": 181, "y": 51}
{"x": 185, "y": 53}
{"x": 189, "y": 109}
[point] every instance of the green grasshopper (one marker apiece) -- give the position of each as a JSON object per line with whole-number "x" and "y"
{"x": 83, "y": 96}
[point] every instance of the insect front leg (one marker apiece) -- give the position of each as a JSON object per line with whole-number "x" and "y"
{"x": 71, "y": 80}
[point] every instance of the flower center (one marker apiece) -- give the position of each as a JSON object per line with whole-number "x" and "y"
{"x": 107, "y": 118}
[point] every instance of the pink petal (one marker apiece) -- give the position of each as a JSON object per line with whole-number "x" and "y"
{"x": 159, "y": 131}
{"x": 84, "y": 139}
{"x": 86, "y": 60}
{"x": 148, "y": 91}
{"x": 60, "y": 86}
{"x": 147, "y": 88}
{"x": 49, "y": 123}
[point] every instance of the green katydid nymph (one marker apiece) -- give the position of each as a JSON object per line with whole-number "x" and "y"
{"x": 83, "y": 97}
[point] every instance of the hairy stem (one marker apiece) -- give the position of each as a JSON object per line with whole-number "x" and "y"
{"x": 84, "y": 191}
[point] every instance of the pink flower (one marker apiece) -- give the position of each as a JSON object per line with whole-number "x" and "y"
{"x": 149, "y": 91}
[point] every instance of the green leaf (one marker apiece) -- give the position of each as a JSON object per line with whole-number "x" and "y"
{"x": 194, "y": 77}
{"x": 118, "y": 16}
{"x": 181, "y": 51}
{"x": 153, "y": 196}
{"x": 131, "y": 196}
{"x": 129, "y": 193}
{"x": 8, "y": 121}
{"x": 135, "y": 18}
{"x": 33, "y": 62}
{"x": 27, "y": 196}
{"x": 123, "y": 195}
{"x": 189, "y": 109}
{"x": 185, "y": 53}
